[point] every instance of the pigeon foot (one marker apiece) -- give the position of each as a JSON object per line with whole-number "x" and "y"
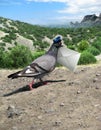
{"x": 31, "y": 85}
{"x": 45, "y": 83}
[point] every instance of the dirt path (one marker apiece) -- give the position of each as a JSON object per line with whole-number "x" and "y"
{"x": 71, "y": 105}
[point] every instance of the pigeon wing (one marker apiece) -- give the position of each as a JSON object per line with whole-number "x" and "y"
{"x": 37, "y": 68}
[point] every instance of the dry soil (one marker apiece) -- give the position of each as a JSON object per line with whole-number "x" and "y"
{"x": 74, "y": 104}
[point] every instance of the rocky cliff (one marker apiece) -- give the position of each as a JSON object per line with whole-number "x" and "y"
{"x": 88, "y": 20}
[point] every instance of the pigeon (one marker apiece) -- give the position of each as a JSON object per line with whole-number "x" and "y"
{"x": 42, "y": 65}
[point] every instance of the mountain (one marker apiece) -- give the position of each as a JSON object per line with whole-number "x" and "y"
{"x": 88, "y": 21}
{"x": 92, "y": 19}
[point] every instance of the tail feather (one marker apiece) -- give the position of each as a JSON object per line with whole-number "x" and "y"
{"x": 14, "y": 75}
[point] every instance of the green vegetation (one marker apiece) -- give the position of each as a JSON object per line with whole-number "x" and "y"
{"x": 1, "y": 57}
{"x": 16, "y": 57}
{"x": 37, "y": 54}
{"x": 79, "y": 39}
{"x": 94, "y": 51}
{"x": 40, "y": 45}
{"x": 97, "y": 43}
{"x": 86, "y": 58}
{"x": 83, "y": 45}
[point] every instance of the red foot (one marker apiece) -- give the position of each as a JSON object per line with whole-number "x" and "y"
{"x": 31, "y": 85}
{"x": 45, "y": 83}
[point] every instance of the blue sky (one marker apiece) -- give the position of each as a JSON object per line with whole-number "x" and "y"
{"x": 45, "y": 12}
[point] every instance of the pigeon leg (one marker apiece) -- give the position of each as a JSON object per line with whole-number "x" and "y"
{"x": 44, "y": 82}
{"x": 31, "y": 85}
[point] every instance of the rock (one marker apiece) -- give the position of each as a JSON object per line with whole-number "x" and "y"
{"x": 57, "y": 123}
{"x": 12, "y": 111}
{"x": 71, "y": 83}
{"x": 39, "y": 117}
{"x": 97, "y": 87}
{"x": 87, "y": 21}
{"x": 62, "y": 104}
{"x": 89, "y": 17}
{"x": 98, "y": 74}
{"x": 78, "y": 92}
{"x": 95, "y": 80}
{"x": 49, "y": 111}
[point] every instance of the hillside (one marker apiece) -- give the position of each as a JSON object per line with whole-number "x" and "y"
{"x": 16, "y": 32}
{"x": 38, "y": 37}
{"x": 35, "y": 40}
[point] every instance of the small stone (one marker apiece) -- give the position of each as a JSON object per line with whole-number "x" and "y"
{"x": 78, "y": 92}
{"x": 11, "y": 107}
{"x": 82, "y": 69}
{"x": 57, "y": 123}
{"x": 95, "y": 80}
{"x": 98, "y": 74}
{"x": 97, "y": 87}
{"x": 97, "y": 105}
{"x": 71, "y": 83}
{"x": 62, "y": 104}
{"x": 39, "y": 117}
{"x": 12, "y": 111}
{"x": 49, "y": 111}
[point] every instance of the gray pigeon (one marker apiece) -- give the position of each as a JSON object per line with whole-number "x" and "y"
{"x": 42, "y": 65}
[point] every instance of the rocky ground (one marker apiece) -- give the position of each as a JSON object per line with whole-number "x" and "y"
{"x": 71, "y": 105}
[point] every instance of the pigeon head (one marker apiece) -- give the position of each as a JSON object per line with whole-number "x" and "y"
{"x": 57, "y": 41}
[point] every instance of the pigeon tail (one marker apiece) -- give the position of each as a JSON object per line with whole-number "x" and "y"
{"x": 14, "y": 75}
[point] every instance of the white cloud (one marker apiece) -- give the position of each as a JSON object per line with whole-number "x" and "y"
{"x": 82, "y": 6}
{"x": 77, "y": 6}
{"x": 75, "y": 9}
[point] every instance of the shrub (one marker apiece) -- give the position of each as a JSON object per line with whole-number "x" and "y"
{"x": 2, "y": 44}
{"x": 86, "y": 58}
{"x": 71, "y": 47}
{"x": 19, "y": 56}
{"x": 40, "y": 45}
{"x": 97, "y": 45}
{"x": 6, "y": 39}
{"x": 37, "y": 54}
{"x": 6, "y": 61}
{"x": 1, "y": 56}
{"x": 83, "y": 45}
{"x": 93, "y": 50}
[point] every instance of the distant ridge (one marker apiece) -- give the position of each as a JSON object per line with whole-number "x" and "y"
{"x": 87, "y": 21}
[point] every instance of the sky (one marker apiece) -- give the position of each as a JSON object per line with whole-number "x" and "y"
{"x": 46, "y": 12}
